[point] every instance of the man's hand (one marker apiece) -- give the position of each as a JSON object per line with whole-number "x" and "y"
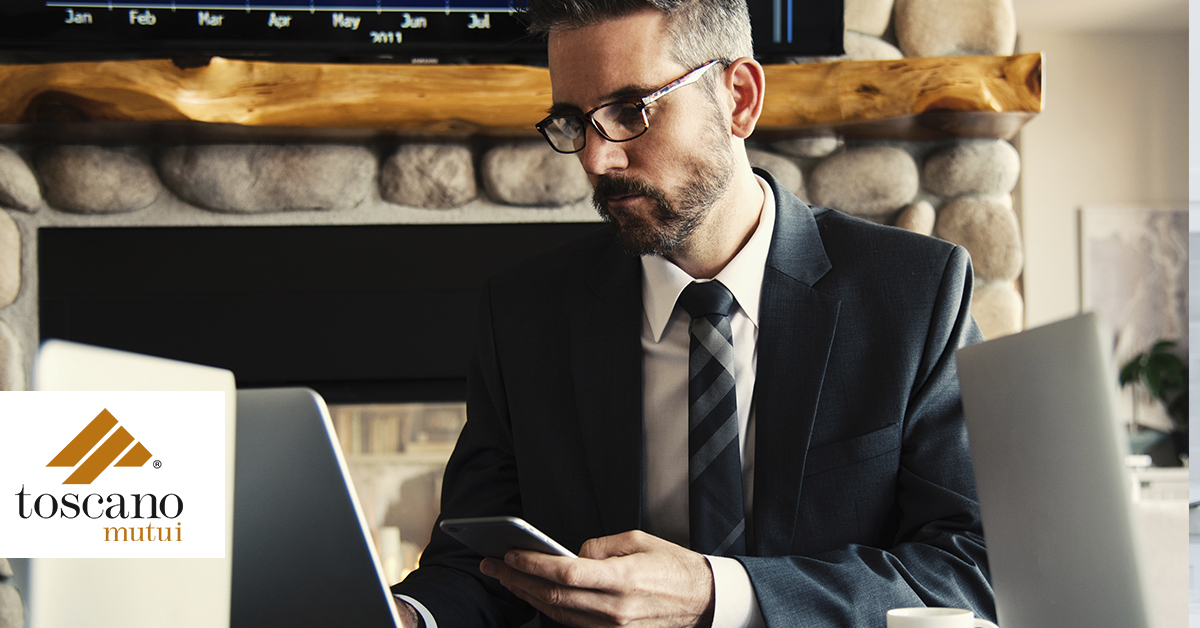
{"x": 628, "y": 579}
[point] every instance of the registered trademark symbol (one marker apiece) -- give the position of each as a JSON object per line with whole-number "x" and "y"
{"x": 157, "y": 464}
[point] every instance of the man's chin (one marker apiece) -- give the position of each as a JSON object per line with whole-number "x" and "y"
{"x": 638, "y": 230}
{"x": 638, "y": 240}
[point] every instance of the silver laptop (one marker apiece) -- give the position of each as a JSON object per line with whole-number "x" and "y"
{"x": 132, "y": 592}
{"x": 298, "y": 552}
{"x": 1053, "y": 488}
{"x": 302, "y": 552}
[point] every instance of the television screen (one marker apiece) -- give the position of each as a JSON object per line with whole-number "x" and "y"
{"x": 344, "y": 30}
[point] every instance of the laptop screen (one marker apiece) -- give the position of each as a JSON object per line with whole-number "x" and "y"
{"x": 133, "y": 592}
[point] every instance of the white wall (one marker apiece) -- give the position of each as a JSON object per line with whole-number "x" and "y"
{"x": 1194, "y": 105}
{"x": 1114, "y": 131}
{"x": 1194, "y": 310}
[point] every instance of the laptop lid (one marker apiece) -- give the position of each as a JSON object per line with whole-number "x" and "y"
{"x": 132, "y": 592}
{"x": 302, "y": 551}
{"x": 1053, "y": 488}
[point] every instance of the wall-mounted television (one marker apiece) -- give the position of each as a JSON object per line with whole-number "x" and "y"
{"x": 445, "y": 31}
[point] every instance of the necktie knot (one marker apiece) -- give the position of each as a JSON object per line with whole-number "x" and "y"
{"x": 703, "y": 299}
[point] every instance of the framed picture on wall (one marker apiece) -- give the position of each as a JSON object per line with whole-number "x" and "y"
{"x": 1134, "y": 275}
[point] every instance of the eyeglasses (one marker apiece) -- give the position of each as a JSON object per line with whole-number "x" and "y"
{"x": 615, "y": 121}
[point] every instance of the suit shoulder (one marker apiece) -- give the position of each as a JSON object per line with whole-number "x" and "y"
{"x": 851, "y": 238}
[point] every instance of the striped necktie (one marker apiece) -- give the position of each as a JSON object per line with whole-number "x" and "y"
{"x": 716, "y": 515}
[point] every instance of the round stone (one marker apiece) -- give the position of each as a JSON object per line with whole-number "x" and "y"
{"x": 857, "y": 47}
{"x": 868, "y": 16}
{"x": 18, "y": 187}
{"x": 942, "y": 28}
{"x": 918, "y": 218}
{"x": 998, "y": 309}
{"x": 785, "y": 170}
{"x": 10, "y": 259}
{"x": 868, "y": 181}
{"x": 860, "y": 47}
{"x": 96, "y": 180}
{"x": 251, "y": 178}
{"x": 429, "y": 176}
{"x": 819, "y": 146}
{"x": 12, "y": 369}
{"x": 532, "y": 173}
{"x": 978, "y": 167}
{"x": 12, "y": 611}
{"x": 988, "y": 229}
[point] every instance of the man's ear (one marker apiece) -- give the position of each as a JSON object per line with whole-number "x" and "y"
{"x": 747, "y": 85}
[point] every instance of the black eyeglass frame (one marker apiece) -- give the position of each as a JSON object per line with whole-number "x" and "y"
{"x": 687, "y": 79}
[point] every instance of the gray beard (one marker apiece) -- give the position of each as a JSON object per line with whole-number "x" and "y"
{"x": 670, "y": 223}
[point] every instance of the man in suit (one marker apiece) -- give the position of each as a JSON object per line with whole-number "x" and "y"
{"x": 852, "y": 476}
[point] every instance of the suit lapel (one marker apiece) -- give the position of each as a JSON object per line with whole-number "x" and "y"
{"x": 606, "y": 356}
{"x": 797, "y": 325}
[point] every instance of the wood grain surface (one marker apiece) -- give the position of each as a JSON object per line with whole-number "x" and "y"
{"x": 467, "y": 99}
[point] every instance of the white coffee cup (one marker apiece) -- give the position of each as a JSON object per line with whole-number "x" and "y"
{"x": 935, "y": 618}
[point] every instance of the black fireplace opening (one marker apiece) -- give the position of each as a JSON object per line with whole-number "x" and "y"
{"x": 359, "y": 313}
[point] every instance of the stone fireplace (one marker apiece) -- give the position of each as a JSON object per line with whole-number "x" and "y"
{"x": 940, "y": 166}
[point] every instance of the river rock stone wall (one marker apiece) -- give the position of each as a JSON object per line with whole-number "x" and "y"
{"x": 894, "y": 29}
{"x": 12, "y": 607}
{"x": 955, "y": 190}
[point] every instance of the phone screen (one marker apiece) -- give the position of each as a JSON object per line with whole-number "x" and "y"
{"x": 495, "y": 536}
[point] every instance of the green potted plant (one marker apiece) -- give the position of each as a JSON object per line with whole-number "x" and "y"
{"x": 1164, "y": 376}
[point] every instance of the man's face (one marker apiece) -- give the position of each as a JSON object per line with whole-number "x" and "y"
{"x": 657, "y": 188}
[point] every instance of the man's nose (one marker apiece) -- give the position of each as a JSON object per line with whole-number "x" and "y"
{"x": 600, "y": 156}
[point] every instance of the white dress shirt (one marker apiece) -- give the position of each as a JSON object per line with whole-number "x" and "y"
{"x": 665, "y": 347}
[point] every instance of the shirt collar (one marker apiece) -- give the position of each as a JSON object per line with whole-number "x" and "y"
{"x": 663, "y": 281}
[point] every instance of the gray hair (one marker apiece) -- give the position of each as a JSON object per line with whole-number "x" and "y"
{"x": 700, "y": 30}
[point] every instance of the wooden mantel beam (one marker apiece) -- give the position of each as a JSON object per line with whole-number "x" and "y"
{"x": 929, "y": 91}
{"x": 501, "y": 99}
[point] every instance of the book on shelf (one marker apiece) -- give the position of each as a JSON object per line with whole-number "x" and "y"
{"x": 381, "y": 429}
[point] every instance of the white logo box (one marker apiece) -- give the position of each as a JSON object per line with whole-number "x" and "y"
{"x": 185, "y": 435}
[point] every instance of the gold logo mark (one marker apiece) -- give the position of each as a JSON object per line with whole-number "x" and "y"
{"x": 104, "y": 455}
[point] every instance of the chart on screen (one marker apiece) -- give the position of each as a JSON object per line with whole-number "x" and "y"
{"x": 417, "y": 31}
{"x": 359, "y": 27}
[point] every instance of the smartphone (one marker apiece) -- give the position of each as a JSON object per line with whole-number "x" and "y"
{"x": 494, "y": 536}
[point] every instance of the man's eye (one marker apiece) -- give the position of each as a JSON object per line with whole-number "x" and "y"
{"x": 628, "y": 115}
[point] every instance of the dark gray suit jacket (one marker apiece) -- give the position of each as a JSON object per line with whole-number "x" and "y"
{"x": 864, "y": 497}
